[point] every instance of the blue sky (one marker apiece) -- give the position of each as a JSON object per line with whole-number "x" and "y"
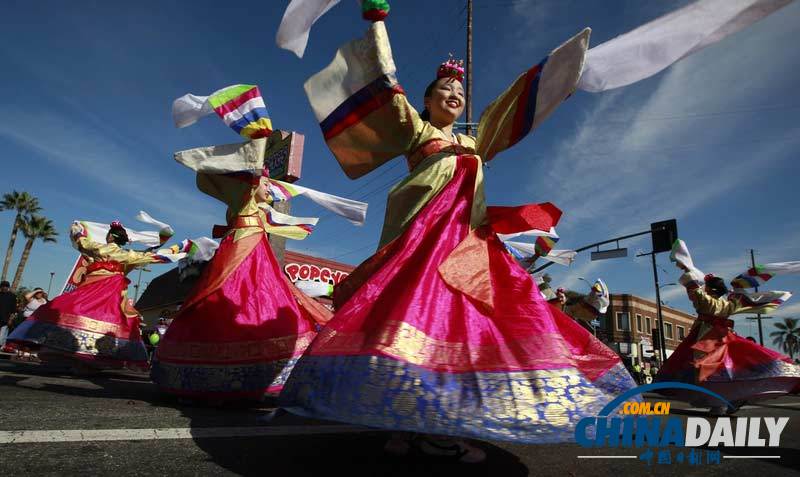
{"x": 712, "y": 141}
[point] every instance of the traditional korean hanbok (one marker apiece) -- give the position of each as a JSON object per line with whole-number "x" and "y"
{"x": 243, "y": 325}
{"x": 441, "y": 331}
{"x": 714, "y": 357}
{"x": 95, "y": 323}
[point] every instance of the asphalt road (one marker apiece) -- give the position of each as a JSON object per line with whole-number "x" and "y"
{"x": 117, "y": 424}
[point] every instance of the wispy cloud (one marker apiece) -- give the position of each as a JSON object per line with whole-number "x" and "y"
{"x": 632, "y": 159}
{"x": 106, "y": 162}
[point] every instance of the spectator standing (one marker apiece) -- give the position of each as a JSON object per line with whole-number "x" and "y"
{"x": 8, "y": 304}
{"x": 34, "y": 300}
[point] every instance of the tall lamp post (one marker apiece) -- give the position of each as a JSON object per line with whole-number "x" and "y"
{"x": 52, "y": 274}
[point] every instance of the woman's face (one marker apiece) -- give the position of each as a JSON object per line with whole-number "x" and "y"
{"x": 446, "y": 102}
{"x": 109, "y": 238}
{"x": 39, "y": 295}
{"x": 262, "y": 195}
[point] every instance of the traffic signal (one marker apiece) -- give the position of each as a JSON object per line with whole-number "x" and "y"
{"x": 664, "y": 234}
{"x": 656, "y": 339}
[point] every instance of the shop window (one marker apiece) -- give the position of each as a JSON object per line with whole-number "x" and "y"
{"x": 623, "y": 321}
{"x": 668, "y": 331}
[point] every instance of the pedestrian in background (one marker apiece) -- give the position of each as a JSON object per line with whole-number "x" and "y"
{"x": 33, "y": 300}
{"x": 8, "y": 307}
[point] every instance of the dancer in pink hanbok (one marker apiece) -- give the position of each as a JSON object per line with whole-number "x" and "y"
{"x": 441, "y": 331}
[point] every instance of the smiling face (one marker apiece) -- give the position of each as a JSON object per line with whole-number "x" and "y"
{"x": 445, "y": 102}
{"x": 262, "y": 193}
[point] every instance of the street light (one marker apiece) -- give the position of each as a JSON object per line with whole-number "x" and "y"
{"x": 51, "y": 283}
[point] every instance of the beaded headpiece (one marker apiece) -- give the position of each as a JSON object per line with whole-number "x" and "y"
{"x": 116, "y": 225}
{"x": 451, "y": 69}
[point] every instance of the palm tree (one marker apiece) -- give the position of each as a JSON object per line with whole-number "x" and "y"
{"x": 25, "y": 205}
{"x": 34, "y": 227}
{"x": 787, "y": 336}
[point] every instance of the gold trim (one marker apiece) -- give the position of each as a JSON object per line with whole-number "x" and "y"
{"x": 406, "y": 342}
{"x": 269, "y": 349}
{"x": 84, "y": 323}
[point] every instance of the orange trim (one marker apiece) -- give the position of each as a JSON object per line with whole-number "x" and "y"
{"x": 435, "y": 146}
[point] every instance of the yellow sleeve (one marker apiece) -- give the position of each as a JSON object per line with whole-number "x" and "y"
{"x": 113, "y": 252}
{"x": 533, "y": 96}
{"x": 706, "y": 304}
{"x": 363, "y": 111}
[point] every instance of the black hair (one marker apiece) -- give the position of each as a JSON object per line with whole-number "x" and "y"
{"x": 119, "y": 235}
{"x": 426, "y": 115}
{"x": 5, "y": 283}
{"x": 717, "y": 286}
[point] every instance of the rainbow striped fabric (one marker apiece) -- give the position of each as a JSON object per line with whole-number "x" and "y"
{"x": 295, "y": 228}
{"x": 759, "y": 302}
{"x": 240, "y": 106}
{"x": 760, "y": 274}
{"x": 545, "y": 244}
{"x": 532, "y": 97}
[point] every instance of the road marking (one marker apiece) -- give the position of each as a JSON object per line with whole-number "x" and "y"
{"x": 606, "y": 457}
{"x": 85, "y": 435}
{"x": 751, "y": 457}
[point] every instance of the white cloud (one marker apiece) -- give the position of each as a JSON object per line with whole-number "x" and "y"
{"x": 107, "y": 163}
{"x": 626, "y": 163}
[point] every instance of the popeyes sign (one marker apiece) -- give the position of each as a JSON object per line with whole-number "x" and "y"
{"x": 297, "y": 271}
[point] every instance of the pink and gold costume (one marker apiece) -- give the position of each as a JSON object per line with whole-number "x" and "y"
{"x": 713, "y": 356}
{"x": 93, "y": 323}
{"x": 243, "y": 325}
{"x": 441, "y": 331}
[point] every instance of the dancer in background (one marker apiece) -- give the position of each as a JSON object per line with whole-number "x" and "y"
{"x": 243, "y": 326}
{"x": 713, "y": 356}
{"x": 441, "y": 332}
{"x": 93, "y": 327}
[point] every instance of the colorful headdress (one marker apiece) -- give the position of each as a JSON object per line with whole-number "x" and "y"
{"x": 451, "y": 69}
{"x": 116, "y": 225}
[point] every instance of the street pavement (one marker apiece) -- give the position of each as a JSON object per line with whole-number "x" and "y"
{"x": 117, "y": 424}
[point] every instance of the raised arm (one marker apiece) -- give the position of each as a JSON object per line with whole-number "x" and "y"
{"x": 362, "y": 109}
{"x": 111, "y": 252}
{"x": 531, "y": 98}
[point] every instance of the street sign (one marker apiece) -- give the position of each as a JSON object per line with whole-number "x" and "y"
{"x": 645, "y": 341}
{"x": 647, "y": 352}
{"x": 284, "y": 155}
{"x": 606, "y": 254}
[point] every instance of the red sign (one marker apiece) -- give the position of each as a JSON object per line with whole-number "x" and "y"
{"x": 75, "y": 277}
{"x": 297, "y": 271}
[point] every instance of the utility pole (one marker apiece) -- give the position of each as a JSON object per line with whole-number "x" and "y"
{"x": 758, "y": 316}
{"x": 49, "y": 286}
{"x": 469, "y": 67}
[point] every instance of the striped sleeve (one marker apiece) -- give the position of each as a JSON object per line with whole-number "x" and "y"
{"x": 362, "y": 109}
{"x": 531, "y": 98}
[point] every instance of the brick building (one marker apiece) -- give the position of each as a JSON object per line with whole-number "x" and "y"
{"x": 629, "y": 324}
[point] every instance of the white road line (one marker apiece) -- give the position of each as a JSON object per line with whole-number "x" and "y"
{"x": 606, "y": 457}
{"x": 85, "y": 435}
{"x": 751, "y": 457}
